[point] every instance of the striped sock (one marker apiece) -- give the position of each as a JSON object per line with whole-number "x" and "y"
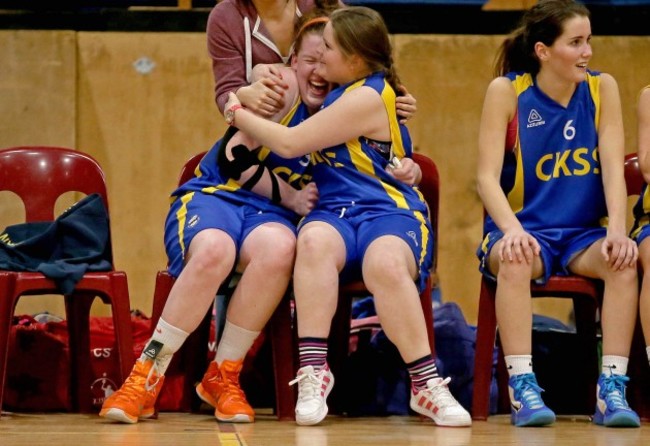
{"x": 313, "y": 352}
{"x": 421, "y": 371}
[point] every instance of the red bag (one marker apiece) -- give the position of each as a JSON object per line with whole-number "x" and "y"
{"x": 38, "y": 370}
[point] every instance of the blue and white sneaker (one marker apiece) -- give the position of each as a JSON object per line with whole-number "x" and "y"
{"x": 526, "y": 405}
{"x": 611, "y": 406}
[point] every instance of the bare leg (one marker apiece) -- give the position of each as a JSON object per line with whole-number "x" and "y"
{"x": 514, "y": 308}
{"x": 388, "y": 272}
{"x": 211, "y": 256}
{"x": 267, "y": 257}
{"x": 320, "y": 257}
{"x": 620, "y": 299}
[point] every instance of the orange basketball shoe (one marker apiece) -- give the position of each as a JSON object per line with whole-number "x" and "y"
{"x": 137, "y": 396}
{"x": 220, "y": 388}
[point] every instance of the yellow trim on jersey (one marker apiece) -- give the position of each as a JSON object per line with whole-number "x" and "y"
{"x": 516, "y": 194}
{"x": 389, "y": 98}
{"x": 362, "y": 162}
{"x": 230, "y": 186}
{"x": 181, "y": 214}
{"x": 646, "y": 200}
{"x": 594, "y": 89}
{"x": 425, "y": 235}
{"x": 359, "y": 158}
{"x": 264, "y": 151}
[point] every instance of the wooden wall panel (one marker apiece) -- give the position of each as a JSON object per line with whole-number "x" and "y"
{"x": 142, "y": 126}
{"x": 449, "y": 74}
{"x": 37, "y": 106}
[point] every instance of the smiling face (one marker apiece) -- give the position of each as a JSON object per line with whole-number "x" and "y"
{"x": 334, "y": 66}
{"x": 313, "y": 88}
{"x": 568, "y": 56}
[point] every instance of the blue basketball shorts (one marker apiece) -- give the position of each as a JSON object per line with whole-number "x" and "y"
{"x": 360, "y": 231}
{"x": 641, "y": 229}
{"x": 558, "y": 248}
{"x": 196, "y": 211}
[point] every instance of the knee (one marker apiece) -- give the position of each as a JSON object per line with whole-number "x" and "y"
{"x": 625, "y": 277}
{"x": 212, "y": 255}
{"x": 385, "y": 269}
{"x": 281, "y": 256}
{"x": 514, "y": 272}
{"x": 310, "y": 244}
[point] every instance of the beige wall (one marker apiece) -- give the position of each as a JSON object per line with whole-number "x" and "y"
{"x": 82, "y": 90}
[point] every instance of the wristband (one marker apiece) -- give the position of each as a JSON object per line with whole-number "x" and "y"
{"x": 230, "y": 113}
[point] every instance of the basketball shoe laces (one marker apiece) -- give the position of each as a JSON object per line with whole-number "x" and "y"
{"x": 438, "y": 393}
{"x": 615, "y": 390}
{"x": 136, "y": 382}
{"x": 230, "y": 380}
{"x": 309, "y": 386}
{"x": 527, "y": 390}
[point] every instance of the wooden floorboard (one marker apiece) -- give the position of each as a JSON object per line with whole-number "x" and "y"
{"x": 202, "y": 429}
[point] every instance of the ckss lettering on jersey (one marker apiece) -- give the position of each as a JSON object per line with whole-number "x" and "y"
{"x": 567, "y": 163}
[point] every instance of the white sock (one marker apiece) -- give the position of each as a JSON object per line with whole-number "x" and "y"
{"x": 235, "y": 343}
{"x": 614, "y": 365}
{"x": 647, "y": 351}
{"x": 166, "y": 341}
{"x": 519, "y": 364}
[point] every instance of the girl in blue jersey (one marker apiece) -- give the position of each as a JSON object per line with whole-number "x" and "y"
{"x": 216, "y": 224}
{"x": 219, "y": 221}
{"x": 365, "y": 221}
{"x": 556, "y": 201}
{"x": 641, "y": 228}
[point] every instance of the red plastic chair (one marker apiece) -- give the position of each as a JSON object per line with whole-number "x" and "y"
{"x": 639, "y": 389}
{"x": 191, "y": 360}
{"x": 39, "y": 175}
{"x": 587, "y": 297}
{"x": 339, "y": 339}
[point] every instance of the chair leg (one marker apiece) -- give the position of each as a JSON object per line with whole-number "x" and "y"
{"x": 338, "y": 350}
{"x": 164, "y": 284}
{"x": 427, "y": 310}
{"x": 639, "y": 390}
{"x": 122, "y": 323}
{"x": 584, "y": 308}
{"x": 78, "y": 316}
{"x": 283, "y": 345}
{"x": 7, "y": 304}
{"x": 195, "y": 363}
{"x": 485, "y": 336}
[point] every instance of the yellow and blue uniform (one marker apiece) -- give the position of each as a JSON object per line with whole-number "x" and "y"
{"x": 552, "y": 176}
{"x": 360, "y": 199}
{"x": 641, "y": 228}
{"x": 211, "y": 200}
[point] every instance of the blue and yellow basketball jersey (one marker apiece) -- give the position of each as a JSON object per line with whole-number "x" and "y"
{"x": 552, "y": 178}
{"x": 352, "y": 176}
{"x": 642, "y": 206}
{"x": 209, "y": 180}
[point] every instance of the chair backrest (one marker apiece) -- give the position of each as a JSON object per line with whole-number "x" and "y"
{"x": 40, "y": 175}
{"x": 430, "y": 188}
{"x": 633, "y": 176}
{"x": 187, "y": 173}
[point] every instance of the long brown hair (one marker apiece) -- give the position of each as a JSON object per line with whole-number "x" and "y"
{"x": 544, "y": 23}
{"x": 361, "y": 31}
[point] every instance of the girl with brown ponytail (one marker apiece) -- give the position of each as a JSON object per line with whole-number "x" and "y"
{"x": 367, "y": 222}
